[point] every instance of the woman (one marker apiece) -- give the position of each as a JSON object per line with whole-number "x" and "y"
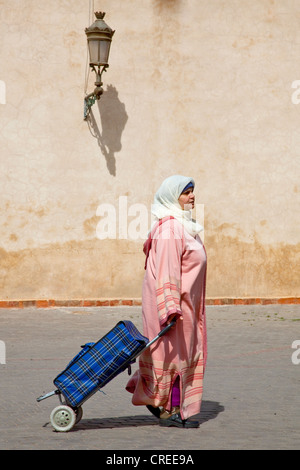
{"x": 170, "y": 376}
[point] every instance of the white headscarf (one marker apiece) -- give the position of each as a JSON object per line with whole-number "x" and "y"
{"x": 166, "y": 203}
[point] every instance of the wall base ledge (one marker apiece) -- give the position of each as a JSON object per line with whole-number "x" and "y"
{"x": 51, "y": 303}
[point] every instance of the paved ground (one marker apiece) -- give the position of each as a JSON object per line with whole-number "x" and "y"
{"x": 251, "y": 388}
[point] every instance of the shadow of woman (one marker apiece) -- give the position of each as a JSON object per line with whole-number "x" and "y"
{"x": 112, "y": 120}
{"x": 209, "y": 410}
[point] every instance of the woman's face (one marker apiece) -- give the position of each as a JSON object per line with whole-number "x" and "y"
{"x": 187, "y": 199}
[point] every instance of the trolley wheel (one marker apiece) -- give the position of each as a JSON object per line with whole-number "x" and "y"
{"x": 79, "y": 413}
{"x": 63, "y": 418}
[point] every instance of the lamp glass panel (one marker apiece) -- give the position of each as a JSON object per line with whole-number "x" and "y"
{"x": 99, "y": 51}
{"x": 104, "y": 51}
{"x": 93, "y": 50}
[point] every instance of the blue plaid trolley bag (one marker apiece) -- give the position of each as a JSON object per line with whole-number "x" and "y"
{"x": 93, "y": 367}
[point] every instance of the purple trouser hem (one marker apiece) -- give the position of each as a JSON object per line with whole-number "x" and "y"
{"x": 176, "y": 393}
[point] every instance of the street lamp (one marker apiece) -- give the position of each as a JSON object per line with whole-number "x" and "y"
{"x": 99, "y": 36}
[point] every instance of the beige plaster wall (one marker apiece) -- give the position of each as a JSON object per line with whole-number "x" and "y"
{"x": 206, "y": 89}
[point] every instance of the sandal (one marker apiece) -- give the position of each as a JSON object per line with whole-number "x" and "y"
{"x": 176, "y": 421}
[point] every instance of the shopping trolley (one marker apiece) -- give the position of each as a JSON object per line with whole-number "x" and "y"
{"x": 93, "y": 367}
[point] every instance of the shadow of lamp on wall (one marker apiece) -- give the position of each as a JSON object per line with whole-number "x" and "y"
{"x": 113, "y": 118}
{"x": 99, "y": 36}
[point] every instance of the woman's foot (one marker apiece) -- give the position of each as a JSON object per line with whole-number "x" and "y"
{"x": 166, "y": 414}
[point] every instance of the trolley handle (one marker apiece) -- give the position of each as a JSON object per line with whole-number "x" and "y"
{"x": 167, "y": 328}
{"x": 161, "y": 333}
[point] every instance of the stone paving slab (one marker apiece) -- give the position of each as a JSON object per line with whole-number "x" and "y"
{"x": 251, "y": 387}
